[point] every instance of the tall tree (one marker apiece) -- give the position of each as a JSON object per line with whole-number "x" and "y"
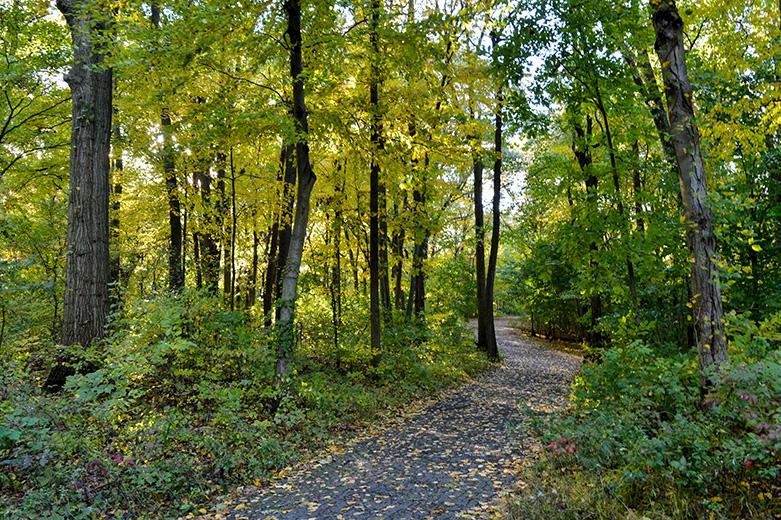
{"x": 280, "y": 231}
{"x": 482, "y": 304}
{"x": 175, "y": 263}
{"x": 86, "y": 302}
{"x": 115, "y": 269}
{"x": 700, "y": 237}
{"x": 376, "y": 268}
{"x": 491, "y": 347}
{"x": 208, "y": 246}
{"x": 306, "y": 180}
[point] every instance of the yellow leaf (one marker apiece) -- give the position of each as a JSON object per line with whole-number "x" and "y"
{"x": 202, "y": 511}
{"x": 716, "y": 499}
{"x": 756, "y": 247}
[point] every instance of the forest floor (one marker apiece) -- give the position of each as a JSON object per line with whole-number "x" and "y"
{"x": 450, "y": 458}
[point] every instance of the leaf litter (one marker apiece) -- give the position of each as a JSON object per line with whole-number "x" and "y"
{"x": 449, "y": 458}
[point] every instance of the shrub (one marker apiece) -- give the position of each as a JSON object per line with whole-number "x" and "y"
{"x": 636, "y": 436}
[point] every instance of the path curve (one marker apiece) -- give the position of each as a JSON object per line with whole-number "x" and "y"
{"x": 444, "y": 461}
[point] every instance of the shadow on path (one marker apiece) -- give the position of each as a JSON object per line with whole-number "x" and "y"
{"x": 444, "y": 461}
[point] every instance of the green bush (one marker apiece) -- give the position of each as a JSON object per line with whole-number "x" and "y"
{"x": 182, "y": 404}
{"x": 637, "y": 436}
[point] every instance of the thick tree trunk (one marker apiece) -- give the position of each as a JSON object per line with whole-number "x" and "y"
{"x": 700, "y": 238}
{"x": 385, "y": 294}
{"x": 306, "y": 180}
{"x": 86, "y": 303}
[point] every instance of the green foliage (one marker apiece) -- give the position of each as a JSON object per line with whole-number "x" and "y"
{"x": 452, "y": 286}
{"x": 636, "y": 436}
{"x": 183, "y": 405}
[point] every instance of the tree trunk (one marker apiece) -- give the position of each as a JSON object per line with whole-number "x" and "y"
{"x": 375, "y": 267}
{"x": 210, "y": 251}
{"x": 175, "y": 263}
{"x": 234, "y": 224}
{"x": 700, "y": 239}
{"x": 420, "y": 253}
{"x": 335, "y": 282}
{"x": 643, "y": 75}
{"x": 281, "y": 231}
{"x": 306, "y": 180}
{"x": 482, "y": 310}
{"x": 398, "y": 266}
{"x": 416, "y": 299}
{"x": 582, "y": 150}
{"x": 86, "y": 302}
{"x": 491, "y": 346}
{"x": 115, "y": 269}
{"x": 252, "y": 286}
{"x": 223, "y": 229}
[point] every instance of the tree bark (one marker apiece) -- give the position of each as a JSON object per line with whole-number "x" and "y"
{"x": 252, "y": 286}
{"x": 491, "y": 346}
{"x": 280, "y": 232}
{"x": 175, "y": 262}
{"x": 226, "y": 234}
{"x": 700, "y": 238}
{"x": 482, "y": 310}
{"x": 209, "y": 249}
{"x": 375, "y": 267}
{"x": 397, "y": 271}
{"x": 582, "y": 150}
{"x": 234, "y": 227}
{"x": 115, "y": 269}
{"x": 86, "y": 303}
{"x": 335, "y": 282}
{"x": 306, "y": 180}
{"x": 644, "y": 77}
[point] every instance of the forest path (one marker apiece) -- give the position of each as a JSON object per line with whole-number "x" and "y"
{"x": 447, "y": 460}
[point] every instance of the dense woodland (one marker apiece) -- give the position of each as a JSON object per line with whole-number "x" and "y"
{"x": 231, "y": 231}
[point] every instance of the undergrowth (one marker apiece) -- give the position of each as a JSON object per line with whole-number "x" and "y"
{"x": 637, "y": 443}
{"x": 183, "y": 406}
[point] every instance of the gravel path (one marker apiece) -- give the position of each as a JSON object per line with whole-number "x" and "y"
{"x": 444, "y": 461}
